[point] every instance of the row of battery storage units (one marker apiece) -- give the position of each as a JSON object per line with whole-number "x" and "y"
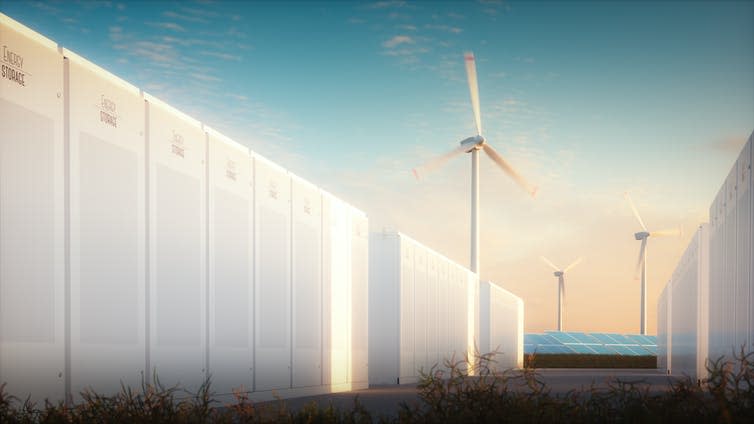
{"x": 425, "y": 311}
{"x": 135, "y": 240}
{"x": 683, "y": 312}
{"x": 731, "y": 295}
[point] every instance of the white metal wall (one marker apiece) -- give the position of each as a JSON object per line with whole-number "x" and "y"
{"x": 306, "y": 210}
{"x": 231, "y": 260}
{"x": 177, "y": 278}
{"x": 107, "y": 229}
{"x": 417, "y": 298}
{"x": 272, "y": 186}
{"x": 501, "y": 326}
{"x": 187, "y": 254}
{"x": 408, "y": 334}
{"x": 689, "y": 316}
{"x": 730, "y": 268}
{"x": 32, "y": 212}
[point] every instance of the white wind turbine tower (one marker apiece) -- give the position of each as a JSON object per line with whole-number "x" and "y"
{"x": 560, "y": 273}
{"x": 473, "y": 145}
{"x": 642, "y": 263}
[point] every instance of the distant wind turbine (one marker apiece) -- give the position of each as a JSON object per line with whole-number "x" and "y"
{"x": 642, "y": 263}
{"x": 560, "y": 273}
{"x": 473, "y": 145}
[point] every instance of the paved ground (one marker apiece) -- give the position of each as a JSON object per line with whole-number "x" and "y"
{"x": 386, "y": 400}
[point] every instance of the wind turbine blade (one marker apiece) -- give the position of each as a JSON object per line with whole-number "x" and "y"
{"x": 505, "y": 166}
{"x": 674, "y": 232}
{"x": 636, "y": 212}
{"x": 576, "y": 262}
{"x": 562, "y": 289}
{"x": 437, "y": 162}
{"x": 640, "y": 262}
{"x": 552, "y": 265}
{"x": 473, "y": 89}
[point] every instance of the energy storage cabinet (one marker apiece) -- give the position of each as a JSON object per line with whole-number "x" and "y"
{"x": 688, "y": 311}
{"x": 32, "y": 213}
{"x": 400, "y": 291}
{"x": 272, "y": 287}
{"x": 501, "y": 326}
{"x": 231, "y": 264}
{"x": 177, "y": 246}
{"x": 306, "y": 207}
{"x": 107, "y": 229}
{"x": 359, "y": 298}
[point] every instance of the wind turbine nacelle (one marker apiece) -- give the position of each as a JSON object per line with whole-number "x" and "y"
{"x": 558, "y": 274}
{"x": 641, "y": 235}
{"x": 473, "y": 143}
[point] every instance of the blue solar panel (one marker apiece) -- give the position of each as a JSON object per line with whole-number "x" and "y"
{"x": 562, "y": 337}
{"x": 584, "y": 338}
{"x": 590, "y": 343}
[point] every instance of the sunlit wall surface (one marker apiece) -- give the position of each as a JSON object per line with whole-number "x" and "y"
{"x": 135, "y": 240}
{"x": 684, "y": 321}
{"x": 730, "y": 275}
{"x": 501, "y": 326}
{"x": 425, "y": 309}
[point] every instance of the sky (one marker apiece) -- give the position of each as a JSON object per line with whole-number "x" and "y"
{"x": 587, "y": 100}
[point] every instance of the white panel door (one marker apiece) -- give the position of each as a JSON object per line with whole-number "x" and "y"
{"x": 325, "y": 325}
{"x": 340, "y": 292}
{"x": 177, "y": 282}
{"x": 32, "y": 195}
{"x": 272, "y": 285}
{"x": 359, "y": 297}
{"x": 107, "y": 230}
{"x": 231, "y": 265}
{"x": 407, "y": 368}
{"x": 307, "y": 283}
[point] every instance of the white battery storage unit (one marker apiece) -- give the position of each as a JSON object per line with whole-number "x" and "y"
{"x": 306, "y": 210}
{"x": 688, "y": 313}
{"x": 338, "y": 234}
{"x": 400, "y": 291}
{"x": 231, "y": 264}
{"x": 500, "y": 326}
{"x": 32, "y": 213}
{"x": 272, "y": 283}
{"x": 177, "y": 246}
{"x": 359, "y": 299}
{"x": 107, "y": 229}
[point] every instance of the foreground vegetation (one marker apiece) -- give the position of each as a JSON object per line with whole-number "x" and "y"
{"x": 562, "y": 360}
{"x": 444, "y": 396}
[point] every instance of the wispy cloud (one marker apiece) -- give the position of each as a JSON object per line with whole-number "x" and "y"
{"x": 172, "y": 26}
{"x": 398, "y": 40}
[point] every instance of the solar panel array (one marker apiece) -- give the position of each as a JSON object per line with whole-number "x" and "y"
{"x": 590, "y": 343}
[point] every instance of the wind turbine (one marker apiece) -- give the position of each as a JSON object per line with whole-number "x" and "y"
{"x": 642, "y": 263}
{"x": 560, "y": 273}
{"x": 473, "y": 145}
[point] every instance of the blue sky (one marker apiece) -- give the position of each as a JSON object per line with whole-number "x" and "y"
{"x": 586, "y": 99}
